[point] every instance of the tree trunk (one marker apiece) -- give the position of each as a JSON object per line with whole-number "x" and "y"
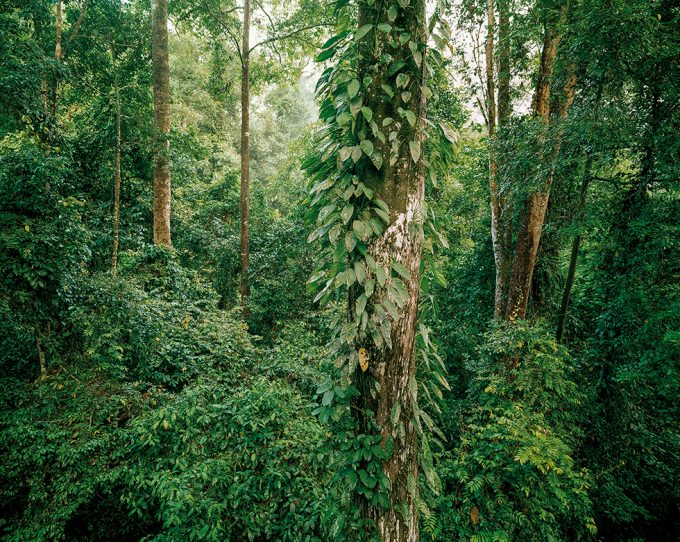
{"x": 400, "y": 183}
{"x": 576, "y": 243}
{"x": 57, "y": 56}
{"x": 500, "y": 232}
{"x": 573, "y": 259}
{"x": 245, "y": 159}
{"x": 41, "y": 355}
{"x": 161, "y": 102}
{"x": 116, "y": 184}
{"x": 504, "y": 105}
{"x": 529, "y": 236}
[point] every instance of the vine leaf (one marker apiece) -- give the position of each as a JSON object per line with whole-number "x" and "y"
{"x": 381, "y": 275}
{"x": 399, "y": 268}
{"x": 414, "y": 147}
{"x": 361, "y": 304}
{"x": 362, "y": 31}
{"x": 353, "y": 88}
{"x": 366, "y": 146}
{"x": 346, "y": 213}
{"x": 363, "y": 359}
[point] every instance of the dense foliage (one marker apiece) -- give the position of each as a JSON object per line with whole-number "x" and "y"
{"x": 145, "y": 404}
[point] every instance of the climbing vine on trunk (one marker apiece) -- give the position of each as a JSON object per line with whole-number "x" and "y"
{"x": 368, "y": 202}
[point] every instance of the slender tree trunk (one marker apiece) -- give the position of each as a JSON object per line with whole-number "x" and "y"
{"x": 161, "y": 102}
{"x": 400, "y": 183}
{"x": 504, "y": 105}
{"x": 576, "y": 243}
{"x": 533, "y": 218}
{"x": 499, "y": 250}
{"x": 501, "y": 235}
{"x": 573, "y": 259}
{"x": 245, "y": 158}
{"x": 41, "y": 355}
{"x": 117, "y": 182}
{"x": 57, "y": 56}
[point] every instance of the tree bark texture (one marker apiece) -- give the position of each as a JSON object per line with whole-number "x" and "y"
{"x": 498, "y": 252}
{"x": 533, "y": 216}
{"x": 500, "y": 233}
{"x": 116, "y": 182}
{"x": 57, "y": 56}
{"x": 504, "y": 105}
{"x": 400, "y": 183}
{"x": 161, "y": 103}
{"x": 245, "y": 158}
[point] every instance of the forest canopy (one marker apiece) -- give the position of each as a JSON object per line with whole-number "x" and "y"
{"x": 350, "y": 270}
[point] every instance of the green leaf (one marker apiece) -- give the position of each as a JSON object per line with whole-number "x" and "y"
{"x": 325, "y": 55}
{"x": 405, "y": 96}
{"x": 350, "y": 241}
{"x": 344, "y": 118}
{"x": 399, "y": 268}
{"x": 380, "y": 203}
{"x": 381, "y": 275}
{"x": 356, "y": 153}
{"x": 346, "y": 213}
{"x": 410, "y": 117}
{"x": 367, "y": 113}
{"x": 366, "y": 146}
{"x": 391, "y": 308}
{"x": 387, "y": 121}
{"x": 403, "y": 79}
{"x": 335, "y": 39}
{"x": 395, "y": 67}
{"x": 361, "y": 304}
{"x": 388, "y": 90}
{"x": 370, "y": 262}
{"x": 360, "y": 271}
{"x": 362, "y": 32}
{"x": 418, "y": 58}
{"x": 384, "y": 27}
{"x": 393, "y": 12}
{"x": 383, "y": 215}
{"x": 377, "y": 160}
{"x": 414, "y": 147}
{"x": 353, "y": 88}
{"x": 369, "y": 287}
{"x": 360, "y": 229}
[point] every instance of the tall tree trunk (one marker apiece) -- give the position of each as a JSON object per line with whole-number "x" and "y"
{"x": 400, "y": 183}
{"x": 161, "y": 103}
{"x": 500, "y": 224}
{"x": 533, "y": 217}
{"x": 245, "y": 158}
{"x": 57, "y": 56}
{"x": 504, "y": 105}
{"x": 117, "y": 181}
{"x": 499, "y": 250}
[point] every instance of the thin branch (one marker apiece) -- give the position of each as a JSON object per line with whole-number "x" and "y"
{"x": 290, "y": 34}
{"x": 76, "y": 28}
{"x": 272, "y": 25}
{"x": 225, "y": 27}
